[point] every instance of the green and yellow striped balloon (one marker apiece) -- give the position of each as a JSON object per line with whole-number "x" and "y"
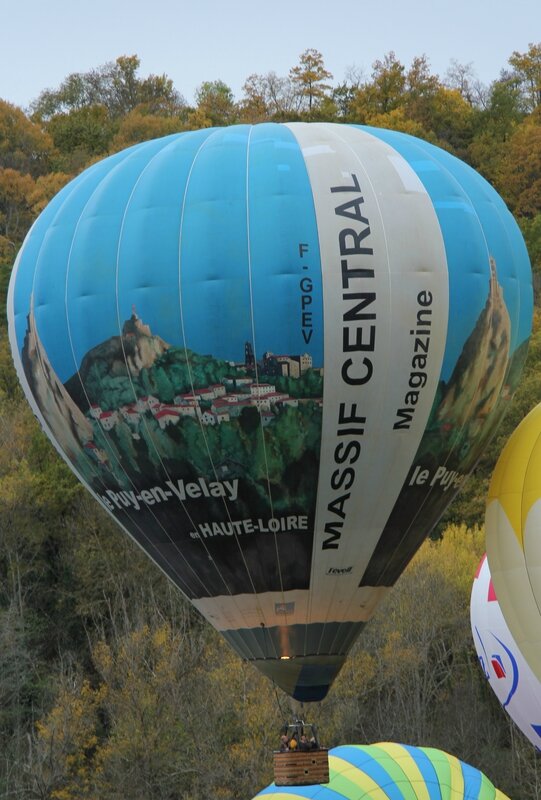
{"x": 389, "y": 771}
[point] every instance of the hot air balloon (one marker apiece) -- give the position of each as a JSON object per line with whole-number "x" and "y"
{"x": 512, "y": 522}
{"x": 503, "y": 665}
{"x": 273, "y": 354}
{"x": 389, "y": 771}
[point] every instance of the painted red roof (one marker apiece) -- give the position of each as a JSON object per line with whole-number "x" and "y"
{"x": 167, "y": 412}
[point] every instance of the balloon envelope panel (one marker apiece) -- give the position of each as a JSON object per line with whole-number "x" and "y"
{"x": 503, "y": 665}
{"x": 388, "y": 771}
{"x": 273, "y": 353}
{"x": 513, "y": 524}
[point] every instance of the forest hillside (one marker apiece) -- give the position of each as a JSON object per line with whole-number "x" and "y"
{"x": 111, "y": 686}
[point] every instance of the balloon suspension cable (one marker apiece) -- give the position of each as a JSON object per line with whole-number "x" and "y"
{"x": 284, "y": 716}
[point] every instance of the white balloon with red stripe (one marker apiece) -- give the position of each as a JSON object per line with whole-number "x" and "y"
{"x": 508, "y": 673}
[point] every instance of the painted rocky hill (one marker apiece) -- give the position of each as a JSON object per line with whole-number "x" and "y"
{"x": 69, "y": 426}
{"x": 124, "y": 356}
{"x": 481, "y": 372}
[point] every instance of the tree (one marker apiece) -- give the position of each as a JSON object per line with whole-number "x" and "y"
{"x": 140, "y": 126}
{"x": 150, "y": 751}
{"x": 46, "y": 187}
{"x": 381, "y": 95}
{"x": 531, "y": 230}
{"x": 215, "y": 103}
{"x": 116, "y": 86}
{"x": 81, "y": 134}
{"x": 519, "y": 178}
{"x": 442, "y": 112}
{"x": 254, "y": 106}
{"x": 463, "y": 78}
{"x": 23, "y": 145}
{"x": 21, "y": 199}
{"x": 386, "y": 90}
{"x": 414, "y": 101}
{"x": 527, "y": 70}
{"x": 449, "y": 119}
{"x": 15, "y": 205}
{"x": 343, "y": 95}
{"x": 308, "y": 77}
{"x": 269, "y": 96}
{"x": 123, "y": 85}
{"x": 125, "y": 91}
{"x": 61, "y": 764}
{"x": 398, "y": 120}
{"x": 493, "y": 126}
{"x": 503, "y": 111}
{"x": 10, "y": 388}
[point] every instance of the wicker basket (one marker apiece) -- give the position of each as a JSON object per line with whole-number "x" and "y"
{"x": 301, "y": 768}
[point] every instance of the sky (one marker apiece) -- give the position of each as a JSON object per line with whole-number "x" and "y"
{"x": 192, "y": 41}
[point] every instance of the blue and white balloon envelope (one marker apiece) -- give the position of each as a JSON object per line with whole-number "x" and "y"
{"x": 273, "y": 354}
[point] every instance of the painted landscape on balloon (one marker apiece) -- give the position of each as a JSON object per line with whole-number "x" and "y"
{"x": 145, "y": 406}
{"x": 147, "y": 425}
{"x": 466, "y": 412}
